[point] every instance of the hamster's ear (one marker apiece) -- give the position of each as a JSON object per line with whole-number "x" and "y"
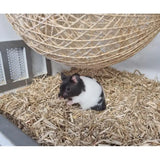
{"x": 63, "y": 76}
{"x": 75, "y": 78}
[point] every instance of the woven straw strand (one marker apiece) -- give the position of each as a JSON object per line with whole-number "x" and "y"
{"x": 86, "y": 40}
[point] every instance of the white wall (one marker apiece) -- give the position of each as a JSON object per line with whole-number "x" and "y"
{"x": 6, "y": 31}
{"x": 147, "y": 61}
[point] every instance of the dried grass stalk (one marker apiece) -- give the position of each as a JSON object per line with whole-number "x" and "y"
{"x": 132, "y": 116}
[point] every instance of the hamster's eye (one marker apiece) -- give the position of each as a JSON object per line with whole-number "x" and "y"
{"x": 68, "y": 89}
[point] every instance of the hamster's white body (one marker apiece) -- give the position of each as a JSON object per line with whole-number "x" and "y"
{"x": 90, "y": 96}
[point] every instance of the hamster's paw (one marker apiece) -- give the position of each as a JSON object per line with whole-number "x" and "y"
{"x": 69, "y": 103}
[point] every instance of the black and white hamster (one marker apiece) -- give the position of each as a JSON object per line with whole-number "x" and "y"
{"x": 83, "y": 90}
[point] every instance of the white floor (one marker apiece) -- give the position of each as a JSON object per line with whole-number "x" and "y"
{"x": 4, "y": 141}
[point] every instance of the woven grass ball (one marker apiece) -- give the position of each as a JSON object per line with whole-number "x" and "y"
{"x": 86, "y": 40}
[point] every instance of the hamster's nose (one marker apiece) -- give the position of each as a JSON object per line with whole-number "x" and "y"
{"x": 65, "y": 94}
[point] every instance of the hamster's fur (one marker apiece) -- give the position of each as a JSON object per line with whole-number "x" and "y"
{"x": 92, "y": 96}
{"x": 85, "y": 91}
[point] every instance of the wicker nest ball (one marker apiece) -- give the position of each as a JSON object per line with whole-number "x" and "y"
{"x": 86, "y": 40}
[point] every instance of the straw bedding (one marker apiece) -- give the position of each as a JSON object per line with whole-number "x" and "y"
{"x": 132, "y": 116}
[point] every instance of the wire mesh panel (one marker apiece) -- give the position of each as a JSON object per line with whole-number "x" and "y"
{"x": 17, "y": 63}
{"x": 2, "y": 76}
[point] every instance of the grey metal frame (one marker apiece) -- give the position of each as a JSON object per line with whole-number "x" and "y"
{"x": 49, "y": 67}
{"x": 10, "y": 84}
{"x": 14, "y": 134}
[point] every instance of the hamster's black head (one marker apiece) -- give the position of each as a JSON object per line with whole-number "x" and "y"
{"x": 71, "y": 86}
